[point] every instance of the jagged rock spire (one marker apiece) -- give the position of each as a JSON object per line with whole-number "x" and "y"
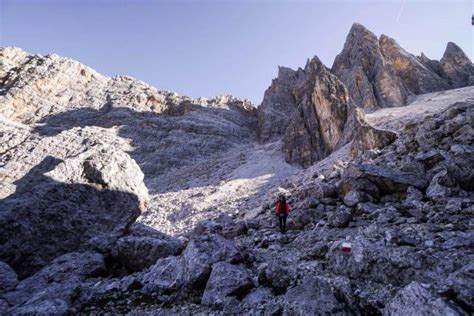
{"x": 362, "y": 68}
{"x": 456, "y": 67}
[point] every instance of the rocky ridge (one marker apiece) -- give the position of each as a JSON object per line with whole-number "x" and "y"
{"x": 88, "y": 189}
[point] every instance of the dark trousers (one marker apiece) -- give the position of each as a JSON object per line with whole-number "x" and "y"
{"x": 282, "y": 219}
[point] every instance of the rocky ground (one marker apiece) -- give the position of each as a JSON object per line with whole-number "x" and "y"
{"x": 117, "y": 198}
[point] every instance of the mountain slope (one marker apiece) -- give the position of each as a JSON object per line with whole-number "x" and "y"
{"x": 118, "y": 198}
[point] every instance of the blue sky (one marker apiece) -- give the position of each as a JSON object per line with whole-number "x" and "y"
{"x": 210, "y": 47}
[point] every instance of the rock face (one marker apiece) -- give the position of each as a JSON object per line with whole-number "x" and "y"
{"x": 315, "y": 114}
{"x": 279, "y": 103}
{"x": 81, "y": 203}
{"x": 456, "y": 67}
{"x": 416, "y": 76}
{"x": 154, "y": 121}
{"x": 226, "y": 280}
{"x": 370, "y": 79}
{"x": 379, "y": 73}
{"x": 325, "y": 120}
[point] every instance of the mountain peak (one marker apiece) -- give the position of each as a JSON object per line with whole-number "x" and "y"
{"x": 453, "y": 50}
{"x": 358, "y": 28}
{"x": 456, "y": 67}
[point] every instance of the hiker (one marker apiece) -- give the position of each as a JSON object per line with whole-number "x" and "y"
{"x": 282, "y": 211}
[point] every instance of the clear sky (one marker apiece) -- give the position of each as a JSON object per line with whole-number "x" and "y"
{"x": 210, "y": 47}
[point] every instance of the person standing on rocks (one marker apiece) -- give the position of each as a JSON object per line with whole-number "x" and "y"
{"x": 282, "y": 211}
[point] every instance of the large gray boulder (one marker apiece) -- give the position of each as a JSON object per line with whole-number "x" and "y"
{"x": 202, "y": 252}
{"x": 278, "y": 275}
{"x": 52, "y": 289}
{"x": 82, "y": 203}
{"x": 193, "y": 268}
{"x": 377, "y": 180}
{"x": 165, "y": 276}
{"x": 441, "y": 186}
{"x": 314, "y": 296}
{"x": 143, "y": 246}
{"x": 414, "y": 299}
{"x": 462, "y": 284}
{"x": 375, "y": 261}
{"x": 225, "y": 280}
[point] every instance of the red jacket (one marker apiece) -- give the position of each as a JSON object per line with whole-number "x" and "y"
{"x": 282, "y": 209}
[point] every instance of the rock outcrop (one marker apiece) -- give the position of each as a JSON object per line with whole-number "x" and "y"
{"x": 326, "y": 119}
{"x": 379, "y": 73}
{"x": 416, "y": 76}
{"x": 279, "y": 103}
{"x": 456, "y": 67}
{"x": 371, "y": 81}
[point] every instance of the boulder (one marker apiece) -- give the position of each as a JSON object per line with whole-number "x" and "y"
{"x": 341, "y": 217}
{"x": 8, "y": 278}
{"x": 52, "y": 289}
{"x": 461, "y": 283}
{"x": 414, "y": 299}
{"x": 441, "y": 186}
{"x": 278, "y": 274}
{"x": 314, "y": 296}
{"x": 375, "y": 180}
{"x": 225, "y": 280}
{"x": 140, "y": 249}
{"x": 201, "y": 253}
{"x": 413, "y": 198}
{"x": 353, "y": 197}
{"x": 82, "y": 203}
{"x": 461, "y": 167}
{"x": 374, "y": 261}
{"x": 192, "y": 269}
{"x": 257, "y": 296}
{"x": 430, "y": 159}
{"x": 165, "y": 276}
